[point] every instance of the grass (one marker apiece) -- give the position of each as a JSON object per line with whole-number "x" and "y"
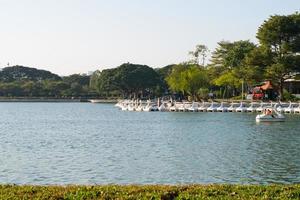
{"x": 163, "y": 192}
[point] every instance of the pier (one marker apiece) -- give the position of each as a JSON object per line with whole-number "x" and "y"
{"x": 213, "y": 106}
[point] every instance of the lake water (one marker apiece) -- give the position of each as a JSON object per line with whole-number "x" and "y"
{"x": 82, "y": 143}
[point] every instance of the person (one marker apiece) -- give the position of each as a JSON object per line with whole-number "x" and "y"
{"x": 268, "y": 112}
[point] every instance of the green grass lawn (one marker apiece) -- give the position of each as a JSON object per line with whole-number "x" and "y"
{"x": 151, "y": 192}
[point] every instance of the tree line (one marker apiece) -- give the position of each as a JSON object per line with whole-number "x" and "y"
{"x": 233, "y": 67}
{"x": 20, "y": 81}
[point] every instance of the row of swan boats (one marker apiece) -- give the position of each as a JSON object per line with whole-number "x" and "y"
{"x": 169, "y": 106}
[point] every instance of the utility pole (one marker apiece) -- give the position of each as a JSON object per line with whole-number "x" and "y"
{"x": 243, "y": 89}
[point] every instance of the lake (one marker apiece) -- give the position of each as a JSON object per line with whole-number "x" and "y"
{"x": 83, "y": 143}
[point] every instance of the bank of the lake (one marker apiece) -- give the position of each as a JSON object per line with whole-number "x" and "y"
{"x": 54, "y": 100}
{"x": 151, "y": 192}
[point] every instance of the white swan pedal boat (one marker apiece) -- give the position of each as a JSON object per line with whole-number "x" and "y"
{"x": 270, "y": 115}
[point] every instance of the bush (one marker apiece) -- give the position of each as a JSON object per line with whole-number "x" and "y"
{"x": 203, "y": 93}
{"x": 288, "y": 96}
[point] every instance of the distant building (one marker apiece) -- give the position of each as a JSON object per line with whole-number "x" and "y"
{"x": 292, "y": 85}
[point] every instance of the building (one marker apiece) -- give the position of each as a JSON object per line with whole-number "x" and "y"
{"x": 264, "y": 91}
{"x": 292, "y": 85}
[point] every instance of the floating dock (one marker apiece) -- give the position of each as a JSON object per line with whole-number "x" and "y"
{"x": 185, "y": 106}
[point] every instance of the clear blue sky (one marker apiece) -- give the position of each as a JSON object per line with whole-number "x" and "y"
{"x": 77, "y": 36}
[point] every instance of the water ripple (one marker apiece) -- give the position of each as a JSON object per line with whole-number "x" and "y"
{"x": 46, "y": 143}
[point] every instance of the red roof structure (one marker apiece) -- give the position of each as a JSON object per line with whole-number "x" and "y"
{"x": 267, "y": 86}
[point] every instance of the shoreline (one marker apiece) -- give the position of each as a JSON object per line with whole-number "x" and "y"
{"x": 196, "y": 191}
{"x": 53, "y": 100}
{"x": 88, "y": 100}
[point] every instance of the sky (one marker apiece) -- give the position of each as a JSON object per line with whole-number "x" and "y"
{"x": 80, "y": 36}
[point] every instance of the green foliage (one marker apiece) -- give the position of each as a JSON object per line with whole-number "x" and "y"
{"x": 236, "y": 53}
{"x": 46, "y": 88}
{"x": 105, "y": 81}
{"x": 20, "y": 73}
{"x": 259, "y": 56}
{"x": 136, "y": 78}
{"x": 187, "y": 79}
{"x": 128, "y": 79}
{"x": 196, "y": 78}
{"x": 163, "y": 73}
{"x": 249, "y": 74}
{"x": 77, "y": 78}
{"x": 288, "y": 96}
{"x": 228, "y": 79}
{"x": 203, "y": 93}
{"x": 218, "y": 58}
{"x": 94, "y": 79}
{"x": 280, "y": 37}
{"x": 229, "y": 55}
{"x": 229, "y": 67}
{"x": 175, "y": 80}
{"x": 280, "y": 34}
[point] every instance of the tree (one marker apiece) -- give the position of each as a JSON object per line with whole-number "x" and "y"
{"x": 94, "y": 79}
{"x": 105, "y": 81}
{"x": 136, "y": 79}
{"x": 228, "y": 68}
{"x": 128, "y": 79}
{"x": 228, "y": 80}
{"x": 196, "y": 78}
{"x": 187, "y": 79}
{"x": 81, "y": 79}
{"x": 175, "y": 80}
{"x": 163, "y": 73}
{"x": 200, "y": 52}
{"x": 280, "y": 37}
{"x": 27, "y": 81}
{"x": 20, "y": 73}
{"x": 77, "y": 85}
{"x": 230, "y": 55}
{"x": 237, "y": 52}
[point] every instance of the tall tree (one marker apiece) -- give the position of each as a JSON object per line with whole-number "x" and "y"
{"x": 280, "y": 37}
{"x": 237, "y": 52}
{"x": 228, "y": 68}
{"x": 219, "y": 54}
{"x": 229, "y": 55}
{"x": 200, "y": 52}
